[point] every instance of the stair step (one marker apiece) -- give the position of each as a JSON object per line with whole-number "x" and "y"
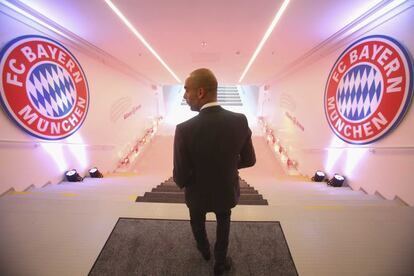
{"x": 226, "y": 96}
{"x": 181, "y": 200}
{"x": 172, "y": 183}
{"x": 181, "y": 195}
{"x": 168, "y": 192}
{"x": 253, "y": 202}
{"x": 248, "y": 190}
{"x": 225, "y": 104}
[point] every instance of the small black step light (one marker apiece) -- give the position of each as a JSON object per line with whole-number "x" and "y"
{"x": 95, "y": 173}
{"x": 336, "y": 181}
{"x": 73, "y": 176}
{"x": 319, "y": 176}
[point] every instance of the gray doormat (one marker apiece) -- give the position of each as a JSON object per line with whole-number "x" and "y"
{"x": 166, "y": 247}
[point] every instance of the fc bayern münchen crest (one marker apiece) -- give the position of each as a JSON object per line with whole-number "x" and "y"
{"x": 369, "y": 89}
{"x": 43, "y": 87}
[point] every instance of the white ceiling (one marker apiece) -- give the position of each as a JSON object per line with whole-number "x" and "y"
{"x": 232, "y": 29}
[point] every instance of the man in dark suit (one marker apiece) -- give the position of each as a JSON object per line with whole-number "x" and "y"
{"x": 208, "y": 151}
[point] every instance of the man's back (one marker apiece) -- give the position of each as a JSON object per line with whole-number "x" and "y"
{"x": 208, "y": 151}
{"x": 217, "y": 143}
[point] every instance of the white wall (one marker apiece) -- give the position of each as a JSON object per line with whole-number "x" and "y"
{"x": 249, "y": 95}
{"x": 173, "y": 95}
{"x": 293, "y": 105}
{"x": 121, "y": 108}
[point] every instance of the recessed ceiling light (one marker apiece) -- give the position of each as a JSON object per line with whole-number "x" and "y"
{"x": 140, "y": 37}
{"x": 265, "y": 37}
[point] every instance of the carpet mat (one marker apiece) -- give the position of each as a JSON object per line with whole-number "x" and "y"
{"x": 166, "y": 247}
{"x": 168, "y": 192}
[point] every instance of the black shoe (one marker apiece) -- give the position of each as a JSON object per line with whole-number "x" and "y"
{"x": 205, "y": 252}
{"x": 220, "y": 268}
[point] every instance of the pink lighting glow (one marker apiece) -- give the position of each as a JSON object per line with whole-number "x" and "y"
{"x": 337, "y": 150}
{"x": 70, "y": 154}
{"x": 353, "y": 157}
{"x": 78, "y": 151}
{"x": 334, "y": 153}
{"x": 55, "y": 151}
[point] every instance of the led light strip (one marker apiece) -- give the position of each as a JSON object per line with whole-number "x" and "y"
{"x": 377, "y": 14}
{"x": 265, "y": 37}
{"x": 33, "y": 18}
{"x": 140, "y": 37}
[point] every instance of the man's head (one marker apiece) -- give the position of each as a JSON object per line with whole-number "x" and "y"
{"x": 200, "y": 88}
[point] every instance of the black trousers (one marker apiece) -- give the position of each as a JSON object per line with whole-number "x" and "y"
{"x": 198, "y": 226}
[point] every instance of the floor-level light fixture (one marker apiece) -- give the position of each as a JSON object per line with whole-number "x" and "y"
{"x": 73, "y": 176}
{"x": 336, "y": 181}
{"x": 95, "y": 173}
{"x": 319, "y": 176}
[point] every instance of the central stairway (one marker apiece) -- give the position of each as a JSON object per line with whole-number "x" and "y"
{"x": 226, "y": 96}
{"x": 61, "y": 229}
{"x": 168, "y": 192}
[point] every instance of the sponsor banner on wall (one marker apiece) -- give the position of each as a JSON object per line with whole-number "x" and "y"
{"x": 123, "y": 108}
{"x": 43, "y": 87}
{"x": 295, "y": 121}
{"x": 369, "y": 89}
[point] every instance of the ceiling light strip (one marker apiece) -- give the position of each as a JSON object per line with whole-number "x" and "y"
{"x": 33, "y": 18}
{"x": 377, "y": 14}
{"x": 372, "y": 18}
{"x": 265, "y": 37}
{"x": 140, "y": 37}
{"x": 19, "y": 8}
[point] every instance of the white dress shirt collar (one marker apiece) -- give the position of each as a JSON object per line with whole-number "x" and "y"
{"x": 209, "y": 104}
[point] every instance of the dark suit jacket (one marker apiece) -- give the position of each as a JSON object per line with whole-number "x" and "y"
{"x": 208, "y": 151}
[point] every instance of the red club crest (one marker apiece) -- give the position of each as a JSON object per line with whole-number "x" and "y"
{"x": 369, "y": 89}
{"x": 43, "y": 87}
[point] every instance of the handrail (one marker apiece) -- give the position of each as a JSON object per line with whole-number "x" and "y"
{"x": 38, "y": 143}
{"x": 370, "y": 149}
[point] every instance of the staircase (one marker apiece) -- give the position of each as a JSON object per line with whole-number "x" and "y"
{"x": 60, "y": 229}
{"x": 226, "y": 96}
{"x": 168, "y": 192}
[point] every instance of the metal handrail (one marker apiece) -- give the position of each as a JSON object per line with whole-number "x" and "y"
{"x": 37, "y": 143}
{"x": 371, "y": 149}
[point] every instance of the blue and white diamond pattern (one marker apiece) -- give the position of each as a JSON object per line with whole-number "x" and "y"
{"x": 51, "y": 90}
{"x": 359, "y": 92}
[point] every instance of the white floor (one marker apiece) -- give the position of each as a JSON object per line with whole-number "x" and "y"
{"x": 60, "y": 229}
